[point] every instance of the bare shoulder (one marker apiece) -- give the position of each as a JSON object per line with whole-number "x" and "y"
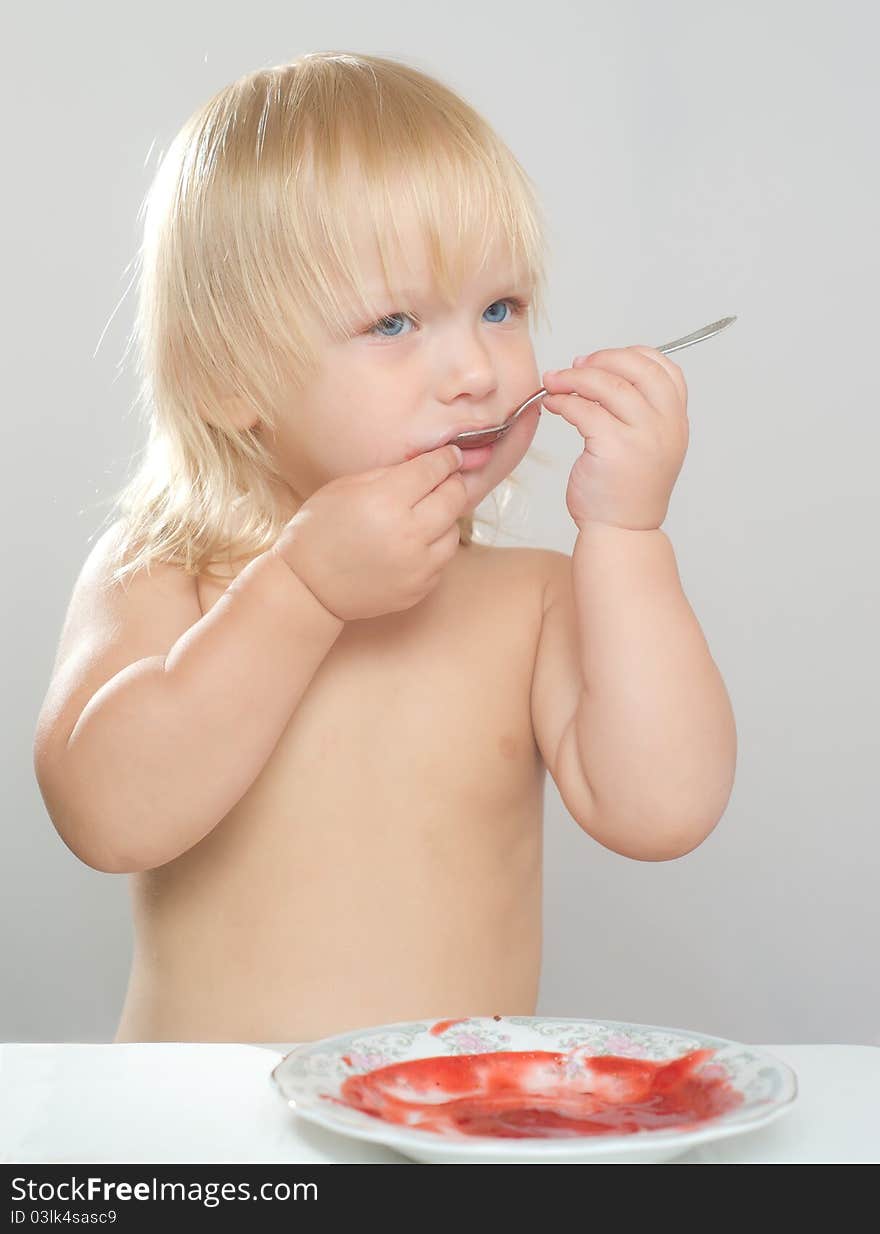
{"x": 107, "y": 626}
{"x": 547, "y": 570}
{"x": 553, "y": 569}
{"x": 144, "y": 609}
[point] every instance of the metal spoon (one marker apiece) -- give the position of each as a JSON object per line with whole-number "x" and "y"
{"x": 485, "y": 436}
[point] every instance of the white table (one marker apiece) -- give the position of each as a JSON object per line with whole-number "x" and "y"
{"x": 202, "y": 1103}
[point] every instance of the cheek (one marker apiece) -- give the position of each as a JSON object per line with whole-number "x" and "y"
{"x": 363, "y": 444}
{"x": 344, "y": 429}
{"x": 369, "y": 413}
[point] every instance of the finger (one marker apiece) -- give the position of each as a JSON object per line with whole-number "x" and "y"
{"x": 441, "y": 507}
{"x": 420, "y": 475}
{"x": 590, "y": 418}
{"x": 649, "y": 377}
{"x": 615, "y": 393}
{"x": 673, "y": 369}
{"x": 441, "y": 549}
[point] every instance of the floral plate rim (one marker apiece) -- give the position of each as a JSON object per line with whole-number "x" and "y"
{"x": 362, "y": 1126}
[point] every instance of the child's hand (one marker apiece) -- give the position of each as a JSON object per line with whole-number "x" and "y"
{"x": 376, "y": 542}
{"x": 632, "y": 413}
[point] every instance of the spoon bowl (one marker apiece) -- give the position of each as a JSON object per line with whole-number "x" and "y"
{"x": 485, "y": 436}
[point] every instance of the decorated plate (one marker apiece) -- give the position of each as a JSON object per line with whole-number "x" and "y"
{"x": 507, "y": 1089}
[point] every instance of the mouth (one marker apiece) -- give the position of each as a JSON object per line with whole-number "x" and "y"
{"x": 474, "y": 457}
{"x": 464, "y": 428}
{"x": 476, "y": 454}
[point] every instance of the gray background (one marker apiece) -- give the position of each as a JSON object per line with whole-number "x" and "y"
{"x": 694, "y": 161}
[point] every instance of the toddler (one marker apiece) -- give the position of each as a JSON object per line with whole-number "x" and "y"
{"x": 295, "y": 699}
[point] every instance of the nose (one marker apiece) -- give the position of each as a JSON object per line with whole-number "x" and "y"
{"x": 468, "y": 366}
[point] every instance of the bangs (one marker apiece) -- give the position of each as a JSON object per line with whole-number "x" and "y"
{"x": 460, "y": 218}
{"x": 354, "y": 152}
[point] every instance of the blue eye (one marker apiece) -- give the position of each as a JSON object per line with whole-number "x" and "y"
{"x": 517, "y": 309}
{"x": 387, "y": 321}
{"x": 499, "y": 303}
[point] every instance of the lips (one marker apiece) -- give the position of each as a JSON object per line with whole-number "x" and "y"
{"x": 463, "y": 428}
{"x": 474, "y": 457}
{"x": 450, "y": 435}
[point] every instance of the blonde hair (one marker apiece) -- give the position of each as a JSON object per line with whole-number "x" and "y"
{"x": 247, "y": 261}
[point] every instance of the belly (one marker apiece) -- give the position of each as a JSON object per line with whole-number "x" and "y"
{"x": 325, "y": 901}
{"x": 286, "y": 928}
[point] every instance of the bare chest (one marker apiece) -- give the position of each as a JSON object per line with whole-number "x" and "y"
{"x": 426, "y": 710}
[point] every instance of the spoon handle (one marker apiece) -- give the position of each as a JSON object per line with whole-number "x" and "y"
{"x": 483, "y": 437}
{"x": 697, "y": 336}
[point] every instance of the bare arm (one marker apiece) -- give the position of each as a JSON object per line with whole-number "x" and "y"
{"x": 654, "y": 727}
{"x": 164, "y": 749}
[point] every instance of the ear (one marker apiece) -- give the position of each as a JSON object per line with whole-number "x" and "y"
{"x": 241, "y": 413}
{"x": 234, "y": 409}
